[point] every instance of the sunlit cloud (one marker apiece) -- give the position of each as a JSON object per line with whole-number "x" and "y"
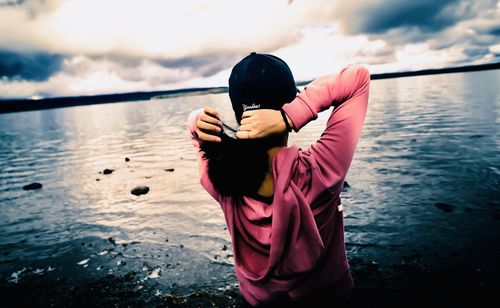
{"x": 158, "y": 29}
{"x": 327, "y": 49}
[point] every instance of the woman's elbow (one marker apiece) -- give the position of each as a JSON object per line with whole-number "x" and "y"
{"x": 363, "y": 74}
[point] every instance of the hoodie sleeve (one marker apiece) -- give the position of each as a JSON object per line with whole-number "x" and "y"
{"x": 202, "y": 162}
{"x": 347, "y": 92}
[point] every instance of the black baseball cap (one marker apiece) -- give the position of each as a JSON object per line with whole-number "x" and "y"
{"x": 260, "y": 81}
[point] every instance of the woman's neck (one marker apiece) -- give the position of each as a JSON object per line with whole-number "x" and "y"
{"x": 271, "y": 153}
{"x": 266, "y": 189}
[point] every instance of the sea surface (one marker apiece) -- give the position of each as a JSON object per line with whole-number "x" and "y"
{"x": 425, "y": 182}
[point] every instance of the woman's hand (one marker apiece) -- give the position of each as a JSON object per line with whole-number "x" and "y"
{"x": 208, "y": 125}
{"x": 261, "y": 123}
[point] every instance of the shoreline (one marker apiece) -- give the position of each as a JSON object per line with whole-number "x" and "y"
{"x": 18, "y": 105}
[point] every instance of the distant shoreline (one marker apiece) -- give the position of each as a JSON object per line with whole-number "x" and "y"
{"x": 15, "y": 105}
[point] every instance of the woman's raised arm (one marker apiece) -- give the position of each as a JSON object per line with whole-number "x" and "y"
{"x": 347, "y": 91}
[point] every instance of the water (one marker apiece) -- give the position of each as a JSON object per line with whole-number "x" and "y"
{"x": 426, "y": 139}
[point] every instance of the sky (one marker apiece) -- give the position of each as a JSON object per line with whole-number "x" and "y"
{"x": 85, "y": 47}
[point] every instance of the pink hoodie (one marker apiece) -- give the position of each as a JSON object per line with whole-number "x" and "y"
{"x": 296, "y": 244}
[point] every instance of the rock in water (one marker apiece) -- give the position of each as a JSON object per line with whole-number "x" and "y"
{"x": 107, "y": 171}
{"x": 445, "y": 207}
{"x": 140, "y": 190}
{"x": 32, "y": 186}
{"x": 346, "y": 186}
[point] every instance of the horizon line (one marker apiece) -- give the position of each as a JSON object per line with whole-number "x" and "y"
{"x": 27, "y": 104}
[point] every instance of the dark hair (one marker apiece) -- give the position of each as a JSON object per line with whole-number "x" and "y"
{"x": 237, "y": 167}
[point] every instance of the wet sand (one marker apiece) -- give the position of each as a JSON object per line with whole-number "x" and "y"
{"x": 410, "y": 283}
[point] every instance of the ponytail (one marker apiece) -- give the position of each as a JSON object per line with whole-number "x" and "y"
{"x": 238, "y": 167}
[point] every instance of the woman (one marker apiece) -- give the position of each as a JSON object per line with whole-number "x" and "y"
{"x": 282, "y": 204}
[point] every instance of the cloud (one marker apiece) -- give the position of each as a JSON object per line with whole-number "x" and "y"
{"x": 32, "y": 7}
{"x": 379, "y": 16}
{"x": 158, "y": 29}
{"x": 83, "y": 75}
{"x": 78, "y": 47}
{"x": 486, "y": 27}
{"x": 495, "y": 31}
{"x": 204, "y": 65}
{"x": 11, "y": 2}
{"x": 155, "y": 41}
{"x": 325, "y": 49}
{"x": 495, "y": 49}
{"x": 463, "y": 30}
{"x": 407, "y": 21}
{"x": 29, "y": 66}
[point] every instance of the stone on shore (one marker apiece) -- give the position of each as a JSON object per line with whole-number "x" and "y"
{"x": 169, "y": 169}
{"x": 140, "y": 190}
{"x": 127, "y": 159}
{"x": 107, "y": 171}
{"x": 32, "y": 186}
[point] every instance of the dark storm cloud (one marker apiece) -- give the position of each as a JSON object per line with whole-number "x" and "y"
{"x": 405, "y": 21}
{"x": 427, "y": 15}
{"x": 493, "y": 29}
{"x": 29, "y": 66}
{"x": 11, "y": 2}
{"x": 474, "y": 53}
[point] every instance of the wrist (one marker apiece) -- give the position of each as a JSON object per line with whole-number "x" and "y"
{"x": 286, "y": 120}
{"x": 300, "y": 113}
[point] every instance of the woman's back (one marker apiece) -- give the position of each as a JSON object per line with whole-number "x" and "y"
{"x": 296, "y": 245}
